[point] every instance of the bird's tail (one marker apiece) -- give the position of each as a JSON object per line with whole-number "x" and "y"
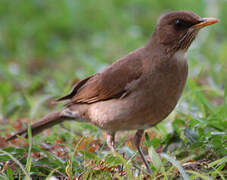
{"x": 46, "y": 122}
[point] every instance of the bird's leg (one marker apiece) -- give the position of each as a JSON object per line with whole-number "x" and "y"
{"x": 111, "y": 144}
{"x": 137, "y": 140}
{"x": 110, "y": 140}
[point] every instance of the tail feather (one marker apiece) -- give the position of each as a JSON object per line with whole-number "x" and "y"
{"x": 46, "y": 122}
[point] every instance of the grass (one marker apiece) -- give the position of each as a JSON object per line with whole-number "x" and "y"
{"x": 46, "y": 46}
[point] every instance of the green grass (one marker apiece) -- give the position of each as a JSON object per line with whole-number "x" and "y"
{"x": 46, "y": 46}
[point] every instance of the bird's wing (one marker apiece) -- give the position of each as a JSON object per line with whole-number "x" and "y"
{"x": 111, "y": 83}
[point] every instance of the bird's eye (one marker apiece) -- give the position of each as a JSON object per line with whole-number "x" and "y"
{"x": 182, "y": 24}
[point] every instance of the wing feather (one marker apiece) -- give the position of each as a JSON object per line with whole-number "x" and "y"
{"x": 110, "y": 83}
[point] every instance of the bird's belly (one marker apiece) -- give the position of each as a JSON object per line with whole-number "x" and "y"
{"x": 141, "y": 109}
{"x": 132, "y": 112}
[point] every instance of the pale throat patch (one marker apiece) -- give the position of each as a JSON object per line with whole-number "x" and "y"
{"x": 181, "y": 55}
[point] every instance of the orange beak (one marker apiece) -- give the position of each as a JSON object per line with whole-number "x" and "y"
{"x": 205, "y": 22}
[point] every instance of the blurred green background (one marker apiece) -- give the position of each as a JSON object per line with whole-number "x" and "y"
{"x": 46, "y": 46}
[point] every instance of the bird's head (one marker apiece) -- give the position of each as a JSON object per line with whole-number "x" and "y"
{"x": 178, "y": 29}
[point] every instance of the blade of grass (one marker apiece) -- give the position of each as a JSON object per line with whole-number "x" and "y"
{"x": 51, "y": 173}
{"x": 199, "y": 175}
{"x": 170, "y": 170}
{"x": 38, "y": 103}
{"x": 29, "y": 159}
{"x": 3, "y": 177}
{"x": 126, "y": 164}
{"x": 176, "y": 164}
{"x": 68, "y": 169}
{"x": 225, "y": 95}
{"x": 76, "y": 148}
{"x": 18, "y": 163}
{"x": 9, "y": 173}
{"x": 157, "y": 161}
{"x": 117, "y": 176}
{"x": 217, "y": 172}
{"x": 219, "y": 162}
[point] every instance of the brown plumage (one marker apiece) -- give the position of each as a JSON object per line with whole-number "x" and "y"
{"x": 103, "y": 86}
{"x": 138, "y": 90}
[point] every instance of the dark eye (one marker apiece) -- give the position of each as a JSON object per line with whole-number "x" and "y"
{"x": 182, "y": 24}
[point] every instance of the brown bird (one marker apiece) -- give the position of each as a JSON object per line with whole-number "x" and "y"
{"x": 137, "y": 91}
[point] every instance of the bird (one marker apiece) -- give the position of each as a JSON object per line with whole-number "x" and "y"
{"x": 138, "y": 90}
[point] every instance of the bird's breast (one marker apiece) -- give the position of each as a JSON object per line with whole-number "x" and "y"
{"x": 166, "y": 86}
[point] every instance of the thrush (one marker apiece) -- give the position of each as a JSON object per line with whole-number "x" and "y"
{"x": 137, "y": 91}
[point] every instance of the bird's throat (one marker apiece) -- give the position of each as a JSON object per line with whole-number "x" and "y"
{"x": 180, "y": 55}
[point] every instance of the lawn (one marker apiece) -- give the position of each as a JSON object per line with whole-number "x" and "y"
{"x": 47, "y": 46}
